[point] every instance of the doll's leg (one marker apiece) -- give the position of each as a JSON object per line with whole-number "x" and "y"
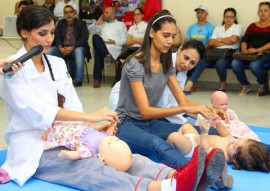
{"x": 73, "y": 155}
{"x": 180, "y": 139}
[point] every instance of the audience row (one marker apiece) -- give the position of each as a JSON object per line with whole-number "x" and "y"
{"x": 112, "y": 42}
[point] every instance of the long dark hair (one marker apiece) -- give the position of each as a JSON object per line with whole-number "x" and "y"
{"x": 33, "y": 17}
{"x": 143, "y": 54}
{"x": 196, "y": 45}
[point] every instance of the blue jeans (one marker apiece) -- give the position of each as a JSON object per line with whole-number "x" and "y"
{"x": 148, "y": 137}
{"x": 76, "y": 63}
{"x": 220, "y": 66}
{"x": 256, "y": 67}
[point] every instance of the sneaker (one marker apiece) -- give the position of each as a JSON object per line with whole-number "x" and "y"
{"x": 214, "y": 165}
{"x": 225, "y": 182}
{"x": 97, "y": 83}
{"x": 108, "y": 59}
{"x": 244, "y": 91}
{"x": 188, "y": 176}
{"x": 77, "y": 83}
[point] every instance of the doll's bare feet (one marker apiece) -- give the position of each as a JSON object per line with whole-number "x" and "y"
{"x": 73, "y": 155}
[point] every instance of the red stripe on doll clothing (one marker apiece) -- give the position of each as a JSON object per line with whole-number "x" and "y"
{"x": 160, "y": 172}
{"x": 138, "y": 184}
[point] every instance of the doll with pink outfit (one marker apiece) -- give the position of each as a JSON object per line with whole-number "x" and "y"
{"x": 84, "y": 141}
{"x": 237, "y": 128}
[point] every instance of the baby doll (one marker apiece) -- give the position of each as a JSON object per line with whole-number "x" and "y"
{"x": 85, "y": 140}
{"x": 237, "y": 128}
{"x": 244, "y": 153}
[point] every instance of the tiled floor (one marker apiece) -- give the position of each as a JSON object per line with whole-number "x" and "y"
{"x": 251, "y": 109}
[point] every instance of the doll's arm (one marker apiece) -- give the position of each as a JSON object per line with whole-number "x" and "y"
{"x": 81, "y": 152}
{"x": 204, "y": 127}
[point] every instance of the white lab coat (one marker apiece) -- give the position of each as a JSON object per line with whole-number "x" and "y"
{"x": 32, "y": 105}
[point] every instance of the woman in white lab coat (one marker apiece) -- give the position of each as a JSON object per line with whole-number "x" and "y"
{"x": 41, "y": 93}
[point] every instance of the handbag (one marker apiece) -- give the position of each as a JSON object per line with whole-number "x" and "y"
{"x": 214, "y": 54}
{"x": 250, "y": 57}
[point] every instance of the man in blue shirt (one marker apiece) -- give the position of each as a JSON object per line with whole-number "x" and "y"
{"x": 202, "y": 31}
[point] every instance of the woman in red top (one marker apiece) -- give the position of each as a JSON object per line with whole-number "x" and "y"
{"x": 255, "y": 40}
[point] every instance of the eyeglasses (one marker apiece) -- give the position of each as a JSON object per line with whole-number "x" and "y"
{"x": 137, "y": 14}
{"x": 229, "y": 17}
{"x": 68, "y": 12}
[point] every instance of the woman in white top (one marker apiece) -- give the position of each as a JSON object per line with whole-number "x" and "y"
{"x": 134, "y": 40}
{"x": 227, "y": 35}
{"x": 136, "y": 32}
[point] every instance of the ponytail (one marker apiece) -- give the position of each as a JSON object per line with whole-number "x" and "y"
{"x": 60, "y": 98}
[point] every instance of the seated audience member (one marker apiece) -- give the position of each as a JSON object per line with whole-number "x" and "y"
{"x": 134, "y": 40}
{"x": 59, "y": 7}
{"x": 85, "y": 140}
{"x": 244, "y": 154}
{"x": 108, "y": 38}
{"x": 225, "y": 36}
{"x": 202, "y": 31}
{"x": 91, "y": 10}
{"x": 50, "y": 4}
{"x": 21, "y": 3}
{"x": 71, "y": 42}
{"x": 237, "y": 128}
{"x": 255, "y": 40}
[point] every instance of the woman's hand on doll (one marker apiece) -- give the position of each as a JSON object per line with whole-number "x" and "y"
{"x": 221, "y": 113}
{"x": 110, "y": 129}
{"x": 104, "y": 114}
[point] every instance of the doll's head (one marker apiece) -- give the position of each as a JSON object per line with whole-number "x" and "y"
{"x": 115, "y": 152}
{"x": 250, "y": 155}
{"x": 219, "y": 100}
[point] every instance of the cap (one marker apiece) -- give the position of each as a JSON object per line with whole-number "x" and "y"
{"x": 201, "y": 7}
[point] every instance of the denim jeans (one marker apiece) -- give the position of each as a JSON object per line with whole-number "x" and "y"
{"x": 256, "y": 67}
{"x": 76, "y": 63}
{"x": 148, "y": 137}
{"x": 220, "y": 66}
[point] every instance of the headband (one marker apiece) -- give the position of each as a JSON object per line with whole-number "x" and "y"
{"x": 161, "y": 18}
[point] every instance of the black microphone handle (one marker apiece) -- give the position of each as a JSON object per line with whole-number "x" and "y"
{"x": 33, "y": 51}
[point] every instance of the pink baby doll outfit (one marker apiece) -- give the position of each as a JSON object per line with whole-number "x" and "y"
{"x": 236, "y": 127}
{"x": 76, "y": 136}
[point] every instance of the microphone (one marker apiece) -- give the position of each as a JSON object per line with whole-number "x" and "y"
{"x": 33, "y": 51}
